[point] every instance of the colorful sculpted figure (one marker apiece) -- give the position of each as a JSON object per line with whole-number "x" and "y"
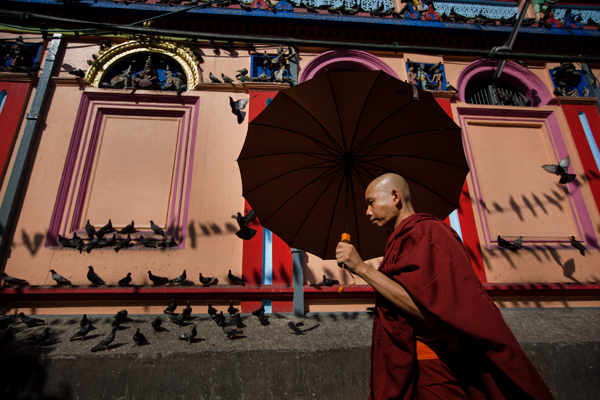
{"x": 540, "y": 6}
{"x": 570, "y": 21}
{"x": 147, "y": 78}
{"x": 412, "y": 12}
{"x": 431, "y": 14}
{"x": 436, "y": 80}
{"x": 552, "y": 20}
{"x": 412, "y": 77}
{"x": 422, "y": 77}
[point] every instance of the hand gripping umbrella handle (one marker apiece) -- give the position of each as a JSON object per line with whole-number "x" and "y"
{"x": 346, "y": 239}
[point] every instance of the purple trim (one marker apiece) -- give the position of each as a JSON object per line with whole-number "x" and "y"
{"x": 187, "y": 107}
{"x": 578, "y": 207}
{"x": 337, "y": 59}
{"x": 520, "y": 77}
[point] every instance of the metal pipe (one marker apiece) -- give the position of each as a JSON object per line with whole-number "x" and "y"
{"x": 395, "y": 48}
{"x": 512, "y": 38}
{"x": 15, "y": 186}
{"x": 298, "y": 281}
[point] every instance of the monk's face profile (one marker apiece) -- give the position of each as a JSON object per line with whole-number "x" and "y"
{"x": 388, "y": 201}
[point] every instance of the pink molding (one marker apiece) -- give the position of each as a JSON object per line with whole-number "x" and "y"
{"x": 344, "y": 59}
{"x": 529, "y": 83}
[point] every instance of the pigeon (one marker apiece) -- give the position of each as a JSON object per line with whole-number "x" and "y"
{"x": 260, "y": 311}
{"x": 227, "y": 79}
{"x": 230, "y": 331}
{"x": 108, "y": 242}
{"x": 245, "y": 232}
{"x": 92, "y": 244}
{"x": 170, "y": 242}
{"x": 213, "y": 78}
{"x": 84, "y": 321}
{"x": 211, "y": 310}
{"x": 187, "y": 311}
{"x": 190, "y": 335}
{"x": 40, "y": 338}
{"x": 561, "y": 170}
{"x": 89, "y": 228}
{"x": 178, "y": 319}
{"x": 139, "y": 338}
{"x": 219, "y": 318}
{"x": 158, "y": 280}
{"x": 94, "y": 278}
{"x": 330, "y": 282}
{"x": 123, "y": 243}
{"x": 264, "y": 320}
{"x": 65, "y": 242}
{"x": 84, "y": 330}
{"x": 108, "y": 339}
{"x": 79, "y": 245}
{"x": 79, "y": 73}
{"x": 578, "y": 245}
{"x": 125, "y": 281}
{"x": 6, "y": 338}
{"x": 235, "y": 280}
{"x": 121, "y": 316}
{"x": 516, "y": 245}
{"x": 156, "y": 323}
{"x": 10, "y": 281}
{"x": 237, "y": 321}
{"x": 236, "y": 108}
{"x": 156, "y": 229}
{"x": 171, "y": 307}
{"x": 232, "y": 310}
{"x": 31, "y": 322}
{"x": 208, "y": 281}
{"x": 297, "y": 330}
{"x": 60, "y": 280}
{"x": 147, "y": 242}
{"x": 242, "y": 72}
{"x": 105, "y": 229}
{"x": 128, "y": 229}
{"x": 179, "y": 280}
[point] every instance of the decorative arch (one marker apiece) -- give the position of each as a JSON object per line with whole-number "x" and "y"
{"x": 184, "y": 56}
{"x": 344, "y": 59}
{"x": 520, "y": 77}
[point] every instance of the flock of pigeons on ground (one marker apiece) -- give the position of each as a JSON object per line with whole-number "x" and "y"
{"x": 231, "y": 327}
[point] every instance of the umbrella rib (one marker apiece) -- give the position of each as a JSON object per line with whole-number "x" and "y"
{"x": 317, "y": 121}
{"x": 375, "y": 146}
{"x": 329, "y": 149}
{"x": 337, "y": 110}
{"x": 355, "y": 214}
{"x": 332, "y": 217}
{"x": 383, "y": 157}
{"x": 362, "y": 111}
{"x": 314, "y": 155}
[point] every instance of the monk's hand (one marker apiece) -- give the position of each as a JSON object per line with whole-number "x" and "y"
{"x": 346, "y": 254}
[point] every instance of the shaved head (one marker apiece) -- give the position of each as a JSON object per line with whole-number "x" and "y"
{"x": 388, "y": 201}
{"x": 386, "y": 182}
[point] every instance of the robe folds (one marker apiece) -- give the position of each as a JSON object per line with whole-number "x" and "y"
{"x": 428, "y": 259}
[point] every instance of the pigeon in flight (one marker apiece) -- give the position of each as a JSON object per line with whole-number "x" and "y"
{"x": 260, "y": 311}
{"x": 179, "y": 280}
{"x": 11, "y": 281}
{"x": 208, "y": 281}
{"x": 330, "y": 282}
{"x": 89, "y": 228}
{"x": 147, "y": 242}
{"x": 245, "y": 232}
{"x": 125, "y": 281}
{"x": 213, "y": 78}
{"x": 578, "y": 245}
{"x": 232, "y": 310}
{"x": 40, "y": 338}
{"x": 230, "y": 331}
{"x": 128, "y": 228}
{"x": 139, "y": 338}
{"x": 171, "y": 307}
{"x": 157, "y": 280}
{"x": 234, "y": 279}
{"x": 84, "y": 330}
{"x": 561, "y": 170}
{"x": 211, "y": 310}
{"x": 105, "y": 229}
{"x": 156, "y": 323}
{"x": 108, "y": 339}
{"x": 123, "y": 243}
{"x": 60, "y": 280}
{"x": 190, "y": 335}
{"x": 30, "y": 321}
{"x": 514, "y": 246}
{"x": 170, "y": 242}
{"x": 237, "y": 106}
{"x": 157, "y": 229}
{"x": 94, "y": 278}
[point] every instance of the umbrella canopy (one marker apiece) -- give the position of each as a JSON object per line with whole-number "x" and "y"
{"x": 309, "y": 156}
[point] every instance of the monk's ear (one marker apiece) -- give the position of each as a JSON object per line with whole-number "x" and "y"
{"x": 396, "y": 198}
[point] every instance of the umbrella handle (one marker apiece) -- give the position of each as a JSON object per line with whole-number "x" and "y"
{"x": 346, "y": 239}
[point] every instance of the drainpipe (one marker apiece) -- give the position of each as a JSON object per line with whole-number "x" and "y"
{"x": 511, "y": 40}
{"x": 15, "y": 187}
{"x": 298, "y": 281}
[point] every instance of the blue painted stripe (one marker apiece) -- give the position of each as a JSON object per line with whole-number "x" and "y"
{"x": 590, "y": 138}
{"x": 267, "y": 278}
{"x": 455, "y": 223}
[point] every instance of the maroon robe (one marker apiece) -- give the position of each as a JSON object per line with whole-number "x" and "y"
{"x": 428, "y": 259}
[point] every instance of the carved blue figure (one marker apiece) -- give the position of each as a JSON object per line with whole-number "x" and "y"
{"x": 570, "y": 21}
{"x": 422, "y": 77}
{"x": 412, "y": 13}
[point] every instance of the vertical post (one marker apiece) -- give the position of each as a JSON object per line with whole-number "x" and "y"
{"x": 512, "y": 38}
{"x": 587, "y": 75}
{"x": 298, "y": 281}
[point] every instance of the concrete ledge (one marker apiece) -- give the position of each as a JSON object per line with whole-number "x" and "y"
{"x": 328, "y": 362}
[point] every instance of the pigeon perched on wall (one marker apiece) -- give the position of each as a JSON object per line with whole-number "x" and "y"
{"x": 230, "y": 331}
{"x": 128, "y": 228}
{"x": 171, "y": 307}
{"x": 105, "y": 229}
{"x": 227, "y": 79}
{"x": 94, "y": 278}
{"x": 190, "y": 335}
{"x": 179, "y": 280}
{"x": 578, "y": 245}
{"x": 121, "y": 316}
{"x": 79, "y": 73}
{"x": 211, "y": 310}
{"x": 219, "y": 318}
{"x": 237, "y": 106}
{"x": 92, "y": 244}
{"x": 65, "y": 242}
{"x": 60, "y": 280}
{"x": 213, "y": 78}
{"x": 79, "y": 245}
{"x": 178, "y": 319}
{"x": 6, "y": 338}
{"x": 12, "y": 281}
{"x": 123, "y": 243}
{"x": 260, "y": 311}
{"x": 139, "y": 338}
{"x": 84, "y": 330}
{"x": 90, "y": 230}
{"x": 157, "y": 280}
{"x": 157, "y": 229}
{"x": 330, "y": 282}
{"x": 108, "y": 339}
{"x": 170, "y": 242}
{"x": 232, "y": 310}
{"x": 84, "y": 321}
{"x": 108, "y": 242}
{"x": 30, "y": 321}
{"x": 40, "y": 338}
{"x": 245, "y": 232}
{"x": 561, "y": 170}
{"x": 208, "y": 280}
{"x": 125, "y": 281}
{"x": 516, "y": 245}
{"x": 241, "y": 72}
{"x": 147, "y": 242}
{"x": 156, "y": 323}
{"x": 234, "y": 279}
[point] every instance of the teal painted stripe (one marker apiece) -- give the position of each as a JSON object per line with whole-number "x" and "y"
{"x": 590, "y": 138}
{"x": 267, "y": 275}
{"x": 455, "y": 223}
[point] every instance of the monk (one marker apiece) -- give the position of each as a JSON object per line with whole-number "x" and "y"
{"x": 436, "y": 332}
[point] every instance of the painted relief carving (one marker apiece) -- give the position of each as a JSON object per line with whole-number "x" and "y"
{"x": 567, "y": 81}
{"x": 426, "y": 76}
{"x": 269, "y": 68}
{"x": 19, "y": 57}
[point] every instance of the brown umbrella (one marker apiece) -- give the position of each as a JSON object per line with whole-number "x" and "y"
{"x": 309, "y": 156}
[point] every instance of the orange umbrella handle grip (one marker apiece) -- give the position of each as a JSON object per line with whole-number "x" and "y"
{"x": 345, "y": 239}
